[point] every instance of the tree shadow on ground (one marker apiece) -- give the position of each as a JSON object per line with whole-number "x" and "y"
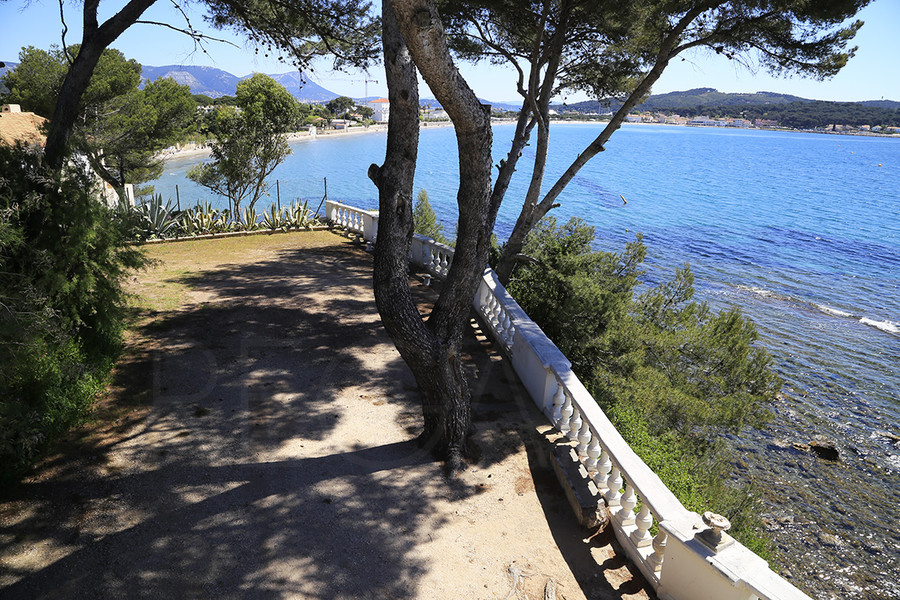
{"x": 206, "y": 495}
{"x": 251, "y": 476}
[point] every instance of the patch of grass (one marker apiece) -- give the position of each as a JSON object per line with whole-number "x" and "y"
{"x": 164, "y": 287}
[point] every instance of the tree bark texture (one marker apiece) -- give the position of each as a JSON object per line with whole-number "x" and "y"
{"x": 431, "y": 348}
{"x": 95, "y": 39}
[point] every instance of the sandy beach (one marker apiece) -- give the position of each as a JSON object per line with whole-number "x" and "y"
{"x": 197, "y": 149}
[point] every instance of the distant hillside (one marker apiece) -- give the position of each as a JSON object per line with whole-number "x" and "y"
{"x": 890, "y": 104}
{"x": 808, "y": 114}
{"x": 216, "y": 83}
{"x": 710, "y": 97}
{"x": 302, "y": 88}
{"x": 696, "y": 99}
{"x": 209, "y": 81}
{"x": 784, "y": 109}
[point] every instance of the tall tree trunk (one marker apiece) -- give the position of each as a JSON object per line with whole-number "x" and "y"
{"x": 431, "y": 348}
{"x": 95, "y": 39}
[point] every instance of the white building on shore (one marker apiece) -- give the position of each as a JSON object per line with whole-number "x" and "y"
{"x": 381, "y": 108}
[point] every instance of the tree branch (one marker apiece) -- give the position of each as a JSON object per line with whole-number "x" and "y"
{"x": 190, "y": 32}
{"x": 65, "y": 29}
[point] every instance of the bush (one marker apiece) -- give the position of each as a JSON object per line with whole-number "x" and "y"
{"x": 672, "y": 375}
{"x": 61, "y": 263}
{"x": 425, "y": 219}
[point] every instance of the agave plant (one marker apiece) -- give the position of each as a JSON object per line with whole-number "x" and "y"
{"x": 250, "y": 220}
{"x": 203, "y": 219}
{"x": 275, "y": 218}
{"x": 159, "y": 220}
{"x": 223, "y": 223}
{"x": 300, "y": 215}
{"x": 191, "y": 222}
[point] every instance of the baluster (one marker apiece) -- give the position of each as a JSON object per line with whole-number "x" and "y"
{"x": 659, "y": 549}
{"x": 641, "y": 536}
{"x": 483, "y": 295}
{"x": 556, "y": 408}
{"x": 575, "y": 422}
{"x": 593, "y": 454}
{"x": 628, "y": 501}
{"x": 435, "y": 263}
{"x": 446, "y": 264}
{"x": 584, "y": 438}
{"x": 510, "y": 332}
{"x": 506, "y": 326}
{"x": 565, "y": 414}
{"x": 489, "y": 308}
{"x": 604, "y": 466}
{"x": 614, "y": 485}
{"x": 495, "y": 316}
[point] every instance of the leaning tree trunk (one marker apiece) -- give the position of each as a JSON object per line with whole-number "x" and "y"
{"x": 431, "y": 348}
{"x": 533, "y": 211}
{"x": 95, "y": 39}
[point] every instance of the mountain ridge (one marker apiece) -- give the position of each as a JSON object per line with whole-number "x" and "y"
{"x": 699, "y": 98}
{"x": 215, "y": 83}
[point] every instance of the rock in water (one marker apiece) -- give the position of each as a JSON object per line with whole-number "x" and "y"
{"x": 825, "y": 449}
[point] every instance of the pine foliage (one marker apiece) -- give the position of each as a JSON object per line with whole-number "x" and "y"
{"x": 425, "y": 220}
{"x": 674, "y": 376}
{"x": 61, "y": 304}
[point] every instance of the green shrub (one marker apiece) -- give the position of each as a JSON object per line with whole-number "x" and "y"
{"x": 425, "y": 219}
{"x": 62, "y": 259}
{"x": 670, "y": 373}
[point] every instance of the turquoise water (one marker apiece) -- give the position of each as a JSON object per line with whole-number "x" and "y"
{"x": 801, "y": 231}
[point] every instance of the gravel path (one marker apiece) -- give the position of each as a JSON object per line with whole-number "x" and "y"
{"x": 258, "y": 445}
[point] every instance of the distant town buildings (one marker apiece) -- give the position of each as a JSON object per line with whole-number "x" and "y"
{"x": 435, "y": 114}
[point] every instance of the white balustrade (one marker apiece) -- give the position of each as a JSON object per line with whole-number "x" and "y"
{"x": 673, "y": 562}
{"x": 354, "y": 220}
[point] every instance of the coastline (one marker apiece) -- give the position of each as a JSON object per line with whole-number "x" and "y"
{"x": 194, "y": 149}
{"x": 753, "y": 128}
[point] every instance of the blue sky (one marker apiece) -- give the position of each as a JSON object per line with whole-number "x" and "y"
{"x": 873, "y": 74}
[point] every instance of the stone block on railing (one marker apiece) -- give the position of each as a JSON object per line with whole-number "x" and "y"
{"x": 690, "y": 569}
{"x": 417, "y": 248}
{"x": 370, "y": 226}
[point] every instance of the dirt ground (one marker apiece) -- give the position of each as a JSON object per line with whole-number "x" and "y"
{"x": 257, "y": 443}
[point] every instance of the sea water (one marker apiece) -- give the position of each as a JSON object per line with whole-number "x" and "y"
{"x": 800, "y": 231}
